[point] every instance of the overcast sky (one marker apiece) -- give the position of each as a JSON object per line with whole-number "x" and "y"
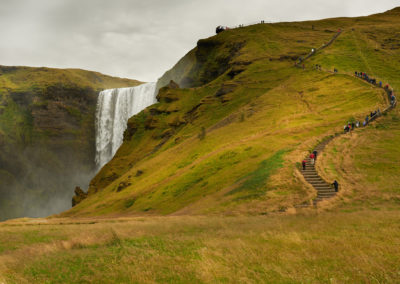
{"x": 140, "y": 39}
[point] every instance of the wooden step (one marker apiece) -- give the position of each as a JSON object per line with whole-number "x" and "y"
{"x": 327, "y": 190}
{"x": 322, "y": 186}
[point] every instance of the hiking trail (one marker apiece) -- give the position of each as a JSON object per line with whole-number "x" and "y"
{"x": 324, "y": 189}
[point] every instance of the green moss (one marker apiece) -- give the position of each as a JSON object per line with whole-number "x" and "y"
{"x": 253, "y": 184}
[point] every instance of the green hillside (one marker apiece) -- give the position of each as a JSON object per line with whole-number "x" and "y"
{"x": 231, "y": 140}
{"x": 46, "y": 136}
{"x": 205, "y": 187}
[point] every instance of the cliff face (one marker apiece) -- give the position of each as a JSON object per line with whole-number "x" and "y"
{"x": 211, "y": 58}
{"x": 46, "y": 136}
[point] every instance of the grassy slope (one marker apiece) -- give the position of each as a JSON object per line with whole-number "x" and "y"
{"x": 271, "y": 119}
{"x": 22, "y": 78}
{"x": 369, "y": 164}
{"x": 366, "y": 163}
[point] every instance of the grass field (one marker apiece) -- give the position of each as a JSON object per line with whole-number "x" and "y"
{"x": 346, "y": 245}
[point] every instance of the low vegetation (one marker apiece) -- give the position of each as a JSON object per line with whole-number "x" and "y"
{"x": 342, "y": 246}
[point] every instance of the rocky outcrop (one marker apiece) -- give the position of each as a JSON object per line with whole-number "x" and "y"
{"x": 210, "y": 59}
{"x": 79, "y": 196}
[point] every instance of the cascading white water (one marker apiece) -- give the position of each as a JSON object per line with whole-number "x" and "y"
{"x": 114, "y": 108}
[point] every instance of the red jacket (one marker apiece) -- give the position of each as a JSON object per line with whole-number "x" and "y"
{"x": 312, "y": 156}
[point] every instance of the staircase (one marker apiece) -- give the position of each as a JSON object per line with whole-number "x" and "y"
{"x": 324, "y": 189}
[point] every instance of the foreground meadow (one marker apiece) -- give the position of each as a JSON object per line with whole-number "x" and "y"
{"x": 347, "y": 245}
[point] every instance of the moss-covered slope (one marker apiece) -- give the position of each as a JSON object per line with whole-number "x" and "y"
{"x": 46, "y": 136}
{"x": 230, "y": 142}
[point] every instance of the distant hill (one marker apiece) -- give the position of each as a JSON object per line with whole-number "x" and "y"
{"x": 46, "y": 136}
{"x": 229, "y": 139}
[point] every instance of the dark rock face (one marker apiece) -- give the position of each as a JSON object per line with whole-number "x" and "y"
{"x": 79, "y": 196}
{"x": 47, "y": 148}
{"x": 210, "y": 59}
{"x": 167, "y": 95}
{"x": 173, "y": 85}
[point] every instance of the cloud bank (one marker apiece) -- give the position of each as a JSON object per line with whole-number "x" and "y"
{"x": 140, "y": 39}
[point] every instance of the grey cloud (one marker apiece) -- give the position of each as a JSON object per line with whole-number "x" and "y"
{"x": 139, "y": 39}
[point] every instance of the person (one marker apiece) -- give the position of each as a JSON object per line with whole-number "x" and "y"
{"x": 357, "y": 124}
{"x": 312, "y": 158}
{"x": 336, "y": 185}
{"x": 392, "y": 99}
{"x": 303, "y": 164}
{"x": 352, "y": 125}
{"x": 355, "y": 73}
{"x": 315, "y": 154}
{"x": 379, "y": 112}
{"x": 364, "y": 123}
{"x": 380, "y": 84}
{"x": 366, "y": 119}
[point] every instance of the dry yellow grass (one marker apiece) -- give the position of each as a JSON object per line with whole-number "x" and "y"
{"x": 331, "y": 247}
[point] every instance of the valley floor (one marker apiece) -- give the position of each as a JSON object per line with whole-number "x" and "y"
{"x": 351, "y": 244}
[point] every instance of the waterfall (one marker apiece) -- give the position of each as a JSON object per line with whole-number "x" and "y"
{"x": 114, "y": 108}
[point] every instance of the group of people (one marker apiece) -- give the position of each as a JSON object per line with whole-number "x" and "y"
{"x": 373, "y": 81}
{"x": 313, "y": 158}
{"x": 371, "y": 116}
{"x": 356, "y": 124}
{"x": 367, "y": 78}
{"x": 220, "y": 29}
{"x": 350, "y": 126}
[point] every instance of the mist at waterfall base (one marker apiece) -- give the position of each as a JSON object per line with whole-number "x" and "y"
{"x": 43, "y": 183}
{"x": 114, "y": 108}
{"x": 46, "y": 177}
